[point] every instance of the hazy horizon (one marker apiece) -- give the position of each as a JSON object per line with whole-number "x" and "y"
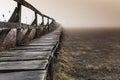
{"x": 81, "y": 13}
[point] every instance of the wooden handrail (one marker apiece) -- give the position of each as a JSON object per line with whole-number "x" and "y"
{"x": 26, "y": 4}
{"x": 15, "y": 23}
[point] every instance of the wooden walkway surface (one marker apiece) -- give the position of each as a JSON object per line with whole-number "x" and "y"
{"x": 30, "y": 61}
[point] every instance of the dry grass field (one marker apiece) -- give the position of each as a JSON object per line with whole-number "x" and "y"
{"x": 89, "y": 55}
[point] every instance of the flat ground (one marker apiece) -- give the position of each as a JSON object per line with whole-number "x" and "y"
{"x": 89, "y": 55}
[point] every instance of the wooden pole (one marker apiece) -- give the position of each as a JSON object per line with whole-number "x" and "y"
{"x": 18, "y": 35}
{"x": 48, "y": 24}
{"x": 48, "y": 21}
{"x": 42, "y": 20}
{"x": 37, "y": 30}
{"x": 36, "y": 18}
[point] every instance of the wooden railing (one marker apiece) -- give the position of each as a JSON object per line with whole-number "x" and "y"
{"x": 15, "y": 23}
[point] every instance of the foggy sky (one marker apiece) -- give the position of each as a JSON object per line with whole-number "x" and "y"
{"x": 82, "y": 13}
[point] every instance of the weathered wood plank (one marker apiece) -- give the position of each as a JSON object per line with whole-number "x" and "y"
{"x": 55, "y": 33}
{"x": 30, "y": 50}
{"x": 24, "y": 75}
{"x": 40, "y": 44}
{"x": 21, "y": 54}
{"x": 49, "y": 38}
{"x": 4, "y": 25}
{"x": 23, "y": 65}
{"x": 24, "y": 58}
{"x": 43, "y": 41}
{"x": 34, "y": 48}
{"x": 50, "y": 35}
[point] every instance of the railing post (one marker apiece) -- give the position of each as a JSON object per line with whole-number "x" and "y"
{"x": 19, "y": 11}
{"x": 48, "y": 20}
{"x": 26, "y": 36}
{"x": 35, "y": 18}
{"x": 42, "y": 20}
{"x": 48, "y": 24}
{"x": 37, "y": 30}
{"x": 52, "y": 26}
{"x": 18, "y": 35}
{"x": 43, "y": 24}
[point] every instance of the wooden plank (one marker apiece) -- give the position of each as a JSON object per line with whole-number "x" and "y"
{"x": 43, "y": 41}
{"x": 21, "y": 54}
{"x": 4, "y": 25}
{"x": 23, "y": 65}
{"x": 34, "y": 48}
{"x": 24, "y": 58}
{"x": 24, "y": 75}
{"x": 30, "y": 50}
{"x": 49, "y": 38}
{"x": 41, "y": 44}
{"x": 51, "y": 35}
{"x": 56, "y": 32}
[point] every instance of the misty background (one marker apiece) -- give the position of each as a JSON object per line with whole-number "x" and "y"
{"x": 70, "y": 13}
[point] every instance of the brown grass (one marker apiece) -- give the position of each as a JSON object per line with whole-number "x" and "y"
{"x": 64, "y": 66}
{"x": 89, "y": 56}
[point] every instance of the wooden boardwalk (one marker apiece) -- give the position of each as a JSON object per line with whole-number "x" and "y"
{"x": 33, "y": 61}
{"x": 30, "y": 61}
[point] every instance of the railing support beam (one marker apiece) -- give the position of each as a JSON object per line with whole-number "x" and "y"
{"x": 42, "y": 20}
{"x": 18, "y": 34}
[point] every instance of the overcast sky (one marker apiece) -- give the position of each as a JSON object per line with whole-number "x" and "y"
{"x": 82, "y": 13}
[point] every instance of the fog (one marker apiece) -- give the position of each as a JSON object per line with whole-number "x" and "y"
{"x": 70, "y": 13}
